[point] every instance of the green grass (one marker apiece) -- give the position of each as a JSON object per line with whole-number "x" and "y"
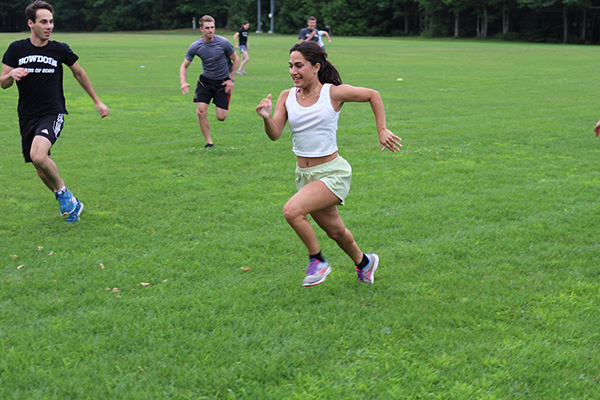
{"x": 486, "y": 224}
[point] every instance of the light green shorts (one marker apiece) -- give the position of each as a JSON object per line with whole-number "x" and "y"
{"x": 335, "y": 174}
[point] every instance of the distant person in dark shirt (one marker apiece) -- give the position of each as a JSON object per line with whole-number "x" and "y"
{"x": 242, "y": 39}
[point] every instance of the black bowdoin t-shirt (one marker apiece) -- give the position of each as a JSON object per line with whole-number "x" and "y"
{"x": 41, "y": 91}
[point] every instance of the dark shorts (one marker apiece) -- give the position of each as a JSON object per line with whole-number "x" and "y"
{"x": 48, "y": 126}
{"x": 208, "y": 89}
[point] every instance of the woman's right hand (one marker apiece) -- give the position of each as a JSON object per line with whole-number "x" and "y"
{"x": 264, "y": 108}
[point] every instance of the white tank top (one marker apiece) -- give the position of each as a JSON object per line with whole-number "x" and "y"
{"x": 313, "y": 128}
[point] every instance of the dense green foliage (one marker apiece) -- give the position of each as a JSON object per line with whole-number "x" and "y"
{"x": 573, "y": 21}
{"x": 486, "y": 223}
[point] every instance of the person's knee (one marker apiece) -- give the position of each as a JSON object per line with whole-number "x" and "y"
{"x": 288, "y": 212}
{"x": 336, "y": 233}
{"x": 291, "y": 213}
{"x": 38, "y": 158}
{"x": 222, "y": 115}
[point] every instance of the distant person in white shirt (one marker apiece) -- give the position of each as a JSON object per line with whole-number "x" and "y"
{"x": 321, "y": 33}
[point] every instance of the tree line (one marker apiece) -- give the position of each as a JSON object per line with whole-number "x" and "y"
{"x": 557, "y": 21}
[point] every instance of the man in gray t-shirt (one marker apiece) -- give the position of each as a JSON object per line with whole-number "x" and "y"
{"x": 219, "y": 65}
{"x": 310, "y": 32}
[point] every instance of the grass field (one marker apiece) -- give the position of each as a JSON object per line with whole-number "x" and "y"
{"x": 487, "y": 225}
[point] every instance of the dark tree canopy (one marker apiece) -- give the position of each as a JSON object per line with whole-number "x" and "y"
{"x": 560, "y": 21}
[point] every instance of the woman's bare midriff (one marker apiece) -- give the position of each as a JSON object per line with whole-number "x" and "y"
{"x": 306, "y": 162}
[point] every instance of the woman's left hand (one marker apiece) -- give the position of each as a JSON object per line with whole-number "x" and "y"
{"x": 389, "y": 140}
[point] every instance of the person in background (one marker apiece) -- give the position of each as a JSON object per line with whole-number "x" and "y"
{"x": 241, "y": 37}
{"x": 320, "y": 36}
{"x": 310, "y": 32}
{"x": 35, "y": 64}
{"x": 219, "y": 65}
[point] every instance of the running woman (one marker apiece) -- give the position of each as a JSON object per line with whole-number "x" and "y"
{"x": 312, "y": 108}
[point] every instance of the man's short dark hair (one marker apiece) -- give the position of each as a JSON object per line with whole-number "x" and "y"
{"x": 31, "y": 10}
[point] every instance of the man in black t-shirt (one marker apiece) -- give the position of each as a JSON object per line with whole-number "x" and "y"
{"x": 242, "y": 38}
{"x": 35, "y": 64}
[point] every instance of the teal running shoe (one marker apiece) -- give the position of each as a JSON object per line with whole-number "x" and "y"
{"x": 67, "y": 202}
{"x": 74, "y": 216}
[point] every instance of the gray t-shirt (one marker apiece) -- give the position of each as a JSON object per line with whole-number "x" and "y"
{"x": 305, "y": 33}
{"x": 214, "y": 55}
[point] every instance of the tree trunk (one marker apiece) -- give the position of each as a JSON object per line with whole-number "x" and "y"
{"x": 583, "y": 23}
{"x": 593, "y": 25}
{"x": 406, "y": 19}
{"x": 485, "y": 22}
{"x": 505, "y": 17}
{"x": 565, "y": 24}
{"x": 456, "y": 24}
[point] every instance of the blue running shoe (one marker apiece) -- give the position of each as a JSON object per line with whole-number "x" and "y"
{"x": 316, "y": 272}
{"x": 367, "y": 274}
{"x": 67, "y": 202}
{"x": 74, "y": 216}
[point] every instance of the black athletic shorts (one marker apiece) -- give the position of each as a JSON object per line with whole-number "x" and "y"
{"x": 208, "y": 89}
{"x": 48, "y": 126}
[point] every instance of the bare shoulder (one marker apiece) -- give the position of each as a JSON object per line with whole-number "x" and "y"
{"x": 284, "y": 94}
